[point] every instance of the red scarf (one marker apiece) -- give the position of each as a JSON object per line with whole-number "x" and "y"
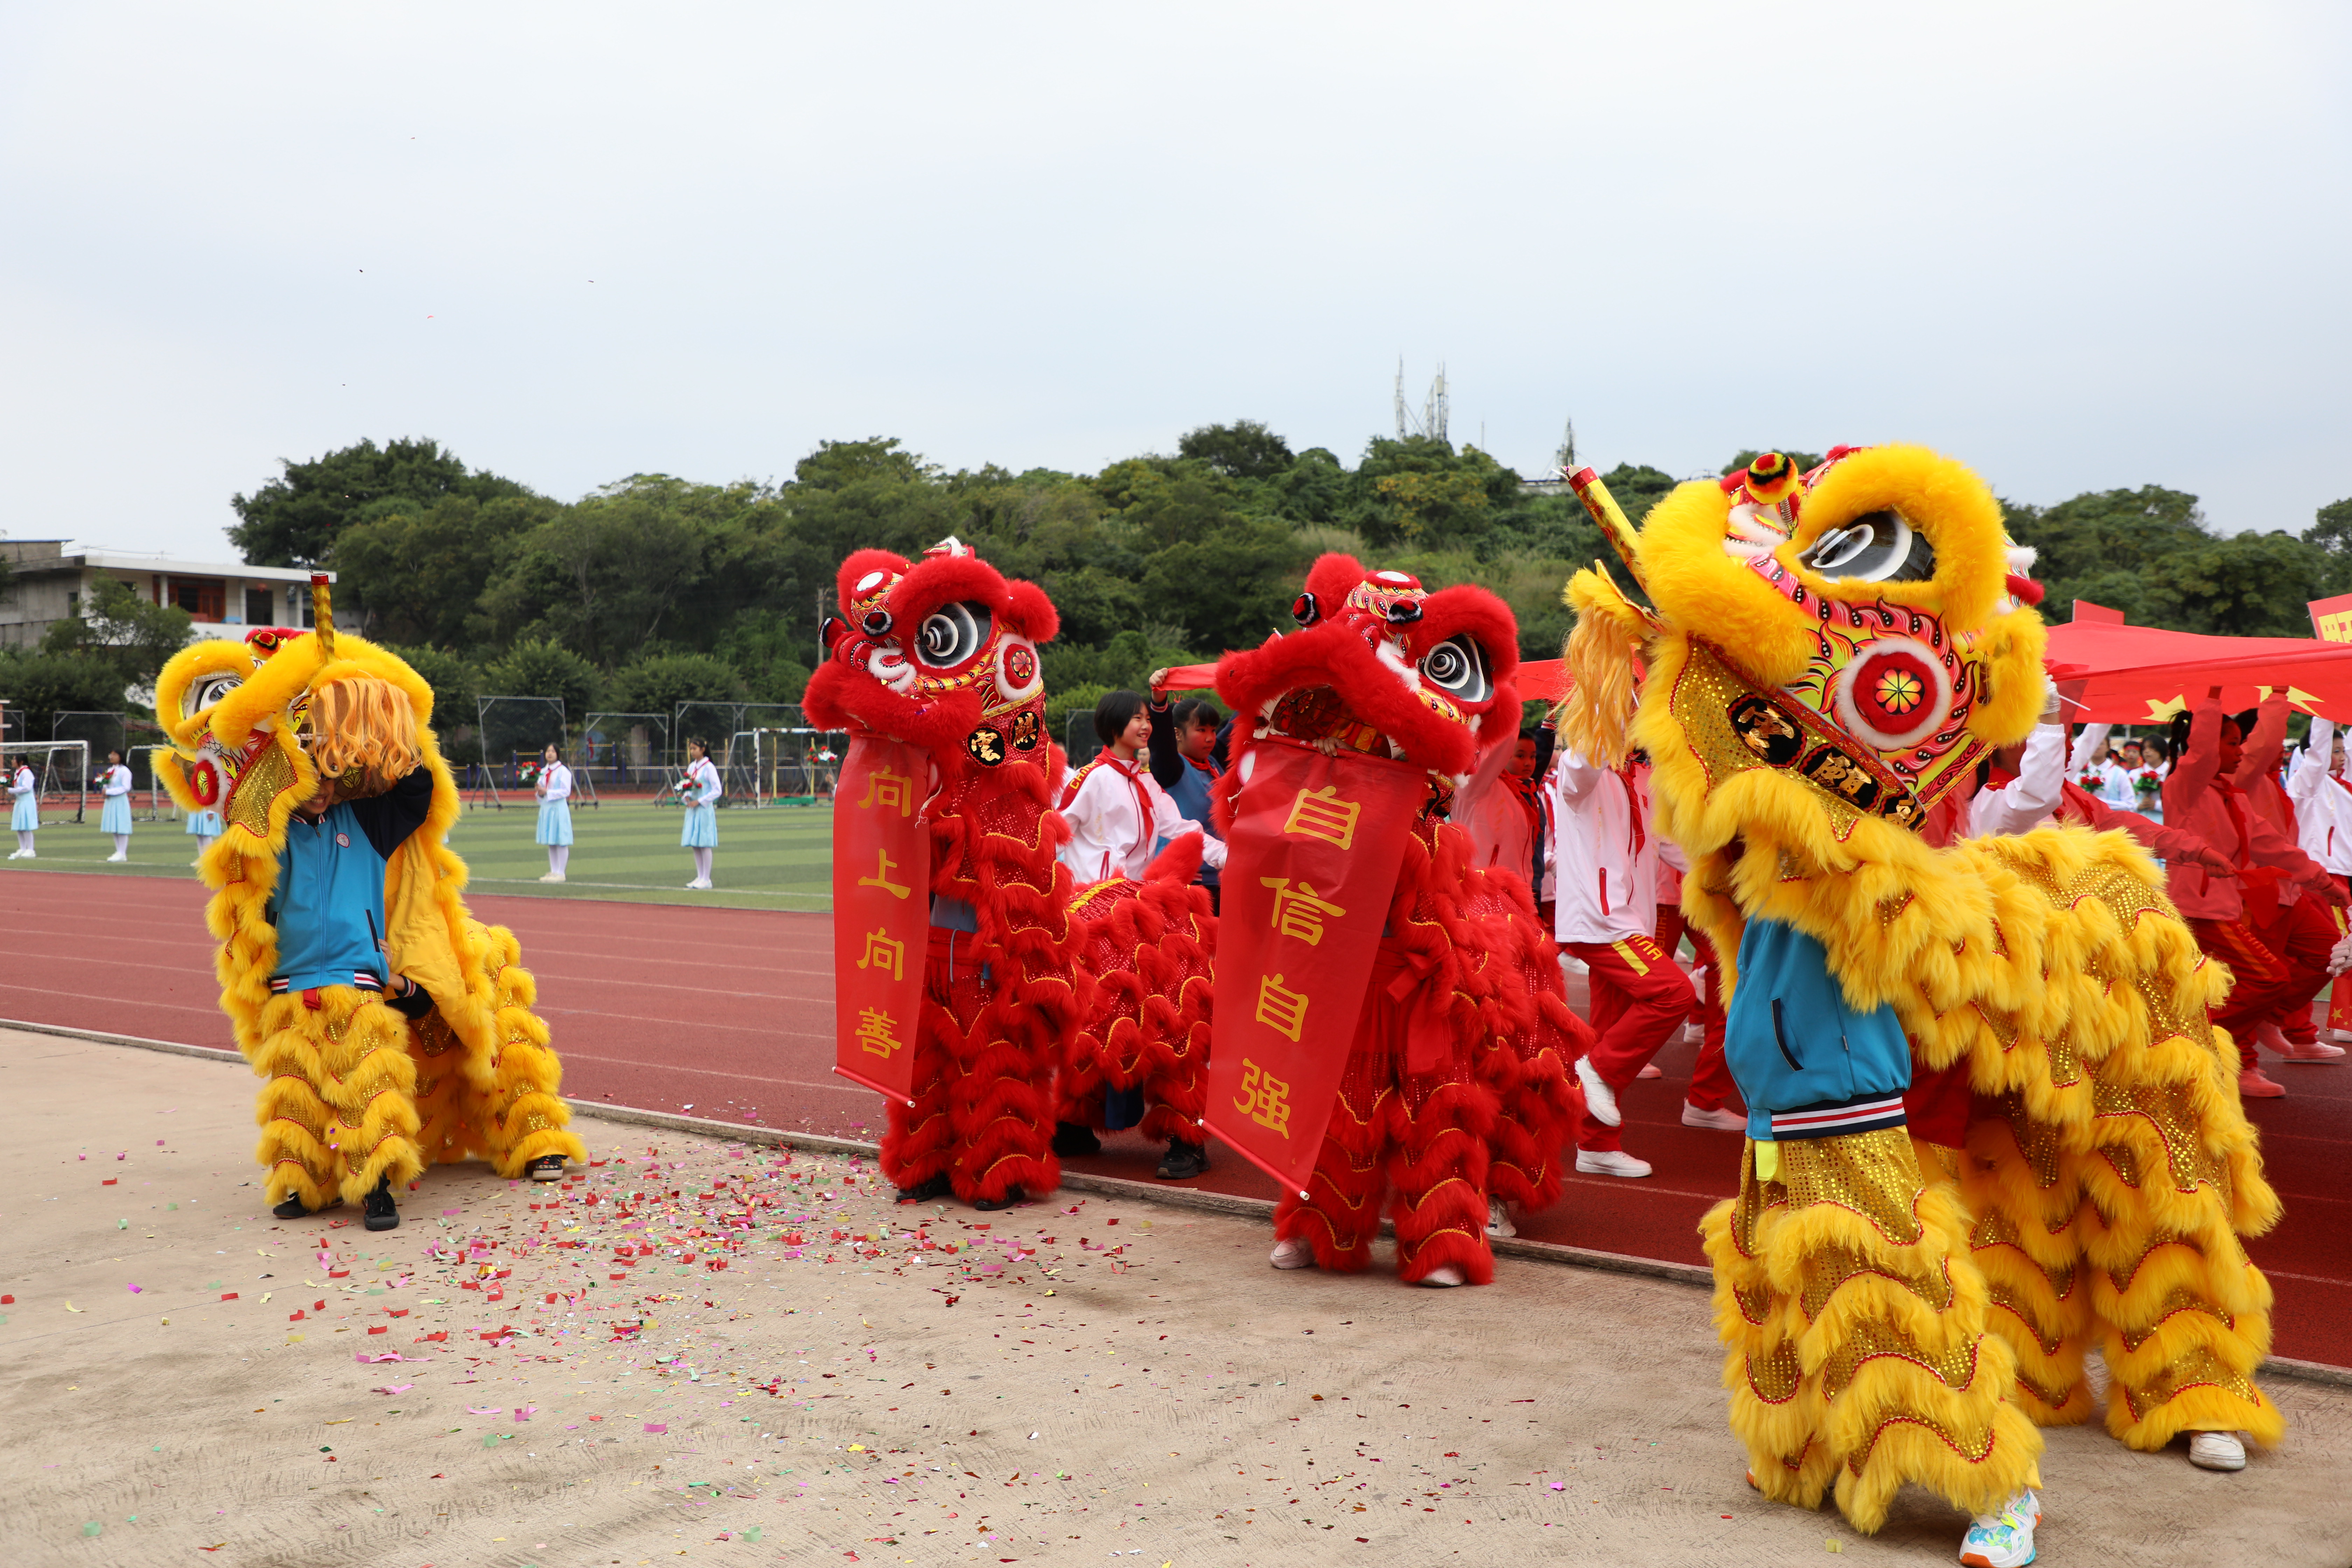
{"x": 1134, "y": 776}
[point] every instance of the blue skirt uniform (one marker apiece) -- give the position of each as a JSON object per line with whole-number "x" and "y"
{"x": 700, "y": 830}
{"x": 205, "y": 824}
{"x": 116, "y": 818}
{"x": 555, "y": 822}
{"x": 26, "y": 814}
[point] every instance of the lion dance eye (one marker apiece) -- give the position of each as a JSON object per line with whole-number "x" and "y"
{"x": 952, "y": 634}
{"x": 201, "y": 694}
{"x": 1877, "y": 547}
{"x": 1457, "y": 667}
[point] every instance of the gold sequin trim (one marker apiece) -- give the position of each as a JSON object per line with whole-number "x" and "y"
{"x": 1875, "y": 1174}
{"x": 2196, "y": 1367}
{"x": 1975, "y": 1451}
{"x": 1775, "y": 1380}
{"x": 2181, "y": 1299}
{"x": 1872, "y": 1337}
{"x": 2002, "y": 1294}
{"x": 2170, "y": 1110}
{"x": 1834, "y": 1265}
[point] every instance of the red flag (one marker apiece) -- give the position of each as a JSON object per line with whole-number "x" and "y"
{"x": 881, "y": 912}
{"x": 2331, "y": 619}
{"x": 2143, "y": 675}
{"x": 1311, "y": 867}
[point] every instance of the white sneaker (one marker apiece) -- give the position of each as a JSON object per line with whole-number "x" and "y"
{"x": 2004, "y": 1540}
{"x": 1693, "y": 1033}
{"x": 1599, "y": 1098}
{"x": 1296, "y": 1253}
{"x": 1721, "y": 1121}
{"x": 697, "y": 886}
{"x": 1445, "y": 1277}
{"x": 1609, "y": 1162}
{"x": 32, "y": 854}
{"x": 1498, "y": 1219}
{"x": 552, "y": 877}
{"x": 2317, "y": 1051}
{"x": 1650, "y": 1069}
{"x": 2218, "y": 1451}
{"x": 19, "y": 854}
{"x": 118, "y": 859}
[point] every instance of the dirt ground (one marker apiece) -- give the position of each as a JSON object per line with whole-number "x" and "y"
{"x": 179, "y": 1369}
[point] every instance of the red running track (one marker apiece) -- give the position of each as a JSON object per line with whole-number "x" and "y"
{"x": 727, "y": 1013}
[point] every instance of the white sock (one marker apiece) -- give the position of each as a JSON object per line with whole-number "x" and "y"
{"x": 122, "y": 843}
{"x": 554, "y": 863}
{"x": 25, "y": 843}
{"x": 558, "y": 856}
{"x": 702, "y": 865}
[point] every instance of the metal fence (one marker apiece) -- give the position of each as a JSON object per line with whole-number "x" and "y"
{"x": 626, "y": 754}
{"x": 60, "y": 769}
{"x": 99, "y": 731}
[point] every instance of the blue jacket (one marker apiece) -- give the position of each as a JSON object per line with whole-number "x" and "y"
{"x": 328, "y": 906}
{"x": 1807, "y": 1064}
{"x": 1187, "y": 785}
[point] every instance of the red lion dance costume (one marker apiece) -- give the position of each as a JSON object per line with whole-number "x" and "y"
{"x": 1450, "y": 1065}
{"x": 1026, "y": 978}
{"x": 1909, "y": 1279}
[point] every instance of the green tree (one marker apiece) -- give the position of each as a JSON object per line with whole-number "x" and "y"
{"x": 293, "y": 520}
{"x": 414, "y": 572}
{"x": 41, "y": 684}
{"x": 658, "y": 683}
{"x": 2331, "y": 532}
{"x": 1314, "y": 489}
{"x": 121, "y": 633}
{"x": 772, "y": 652}
{"x": 2241, "y": 584}
{"x": 1637, "y": 487}
{"x": 2105, "y": 546}
{"x": 1229, "y": 588}
{"x": 605, "y": 575}
{"x": 836, "y": 464}
{"x": 543, "y": 669}
{"x": 1244, "y": 449}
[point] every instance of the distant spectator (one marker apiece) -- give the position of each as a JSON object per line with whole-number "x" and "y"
{"x": 553, "y": 788}
{"x": 1183, "y": 763}
{"x": 700, "y": 790}
{"x": 23, "y": 810}
{"x": 116, "y": 816}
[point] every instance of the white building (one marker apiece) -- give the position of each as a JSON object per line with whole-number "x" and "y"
{"x": 47, "y": 585}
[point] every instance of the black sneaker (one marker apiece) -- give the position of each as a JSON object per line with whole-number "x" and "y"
{"x": 294, "y": 1208}
{"x": 547, "y": 1168}
{"x": 1013, "y": 1194}
{"x": 1074, "y": 1138}
{"x": 926, "y": 1191}
{"x": 1183, "y": 1161}
{"x": 381, "y": 1214}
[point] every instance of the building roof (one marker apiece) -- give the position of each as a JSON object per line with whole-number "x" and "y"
{"x": 65, "y": 558}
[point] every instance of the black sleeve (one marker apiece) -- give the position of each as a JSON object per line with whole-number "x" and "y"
{"x": 389, "y": 819}
{"x": 1167, "y": 762}
{"x": 413, "y": 1005}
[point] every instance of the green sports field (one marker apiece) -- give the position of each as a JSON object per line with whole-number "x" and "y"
{"x": 776, "y": 858}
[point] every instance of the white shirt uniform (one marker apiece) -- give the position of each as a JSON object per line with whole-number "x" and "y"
{"x": 1117, "y": 817}
{"x": 1605, "y": 886}
{"x": 2323, "y": 807}
{"x": 558, "y": 781}
{"x": 2033, "y": 795}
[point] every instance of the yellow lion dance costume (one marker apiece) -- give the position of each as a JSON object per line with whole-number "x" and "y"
{"x": 358, "y": 1098}
{"x": 1828, "y": 655}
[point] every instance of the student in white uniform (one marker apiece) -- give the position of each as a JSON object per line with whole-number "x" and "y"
{"x": 1118, "y": 815}
{"x": 23, "y": 810}
{"x": 701, "y": 789}
{"x": 116, "y": 816}
{"x": 2017, "y": 804}
{"x": 554, "y": 791}
{"x": 206, "y": 827}
{"x": 2322, "y": 820}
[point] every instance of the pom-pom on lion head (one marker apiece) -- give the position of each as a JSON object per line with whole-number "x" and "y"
{"x": 1380, "y": 665}
{"x": 1861, "y": 632}
{"x": 942, "y": 653}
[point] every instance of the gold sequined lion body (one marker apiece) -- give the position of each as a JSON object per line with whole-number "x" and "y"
{"x": 354, "y": 1093}
{"x": 1829, "y": 653}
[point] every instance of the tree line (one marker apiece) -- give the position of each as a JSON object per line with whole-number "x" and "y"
{"x": 655, "y": 590}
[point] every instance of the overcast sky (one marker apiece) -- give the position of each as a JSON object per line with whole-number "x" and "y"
{"x": 2076, "y": 245}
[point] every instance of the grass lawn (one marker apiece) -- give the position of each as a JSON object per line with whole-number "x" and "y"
{"x": 777, "y": 859}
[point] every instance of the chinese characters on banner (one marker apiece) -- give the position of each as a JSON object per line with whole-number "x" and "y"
{"x": 2331, "y": 619}
{"x": 881, "y": 912}
{"x": 1310, "y": 865}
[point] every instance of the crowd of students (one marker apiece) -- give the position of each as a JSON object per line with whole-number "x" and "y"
{"x": 2256, "y": 837}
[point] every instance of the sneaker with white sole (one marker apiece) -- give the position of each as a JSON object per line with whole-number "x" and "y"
{"x": 1296, "y": 1252}
{"x": 1720, "y": 1119}
{"x": 1599, "y": 1098}
{"x": 1498, "y": 1219}
{"x": 1650, "y": 1070}
{"x": 2317, "y": 1051}
{"x": 1445, "y": 1277}
{"x": 1609, "y": 1162}
{"x": 2004, "y": 1540}
{"x": 2218, "y": 1451}
{"x": 2255, "y": 1084}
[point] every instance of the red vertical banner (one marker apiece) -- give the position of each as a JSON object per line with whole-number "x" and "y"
{"x": 1311, "y": 867}
{"x": 881, "y": 912}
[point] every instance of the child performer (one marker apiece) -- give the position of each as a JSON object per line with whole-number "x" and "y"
{"x": 116, "y": 818}
{"x": 1183, "y": 763}
{"x": 1116, "y": 811}
{"x": 2323, "y": 812}
{"x": 701, "y": 789}
{"x": 23, "y": 810}
{"x": 1606, "y": 914}
{"x": 554, "y": 791}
